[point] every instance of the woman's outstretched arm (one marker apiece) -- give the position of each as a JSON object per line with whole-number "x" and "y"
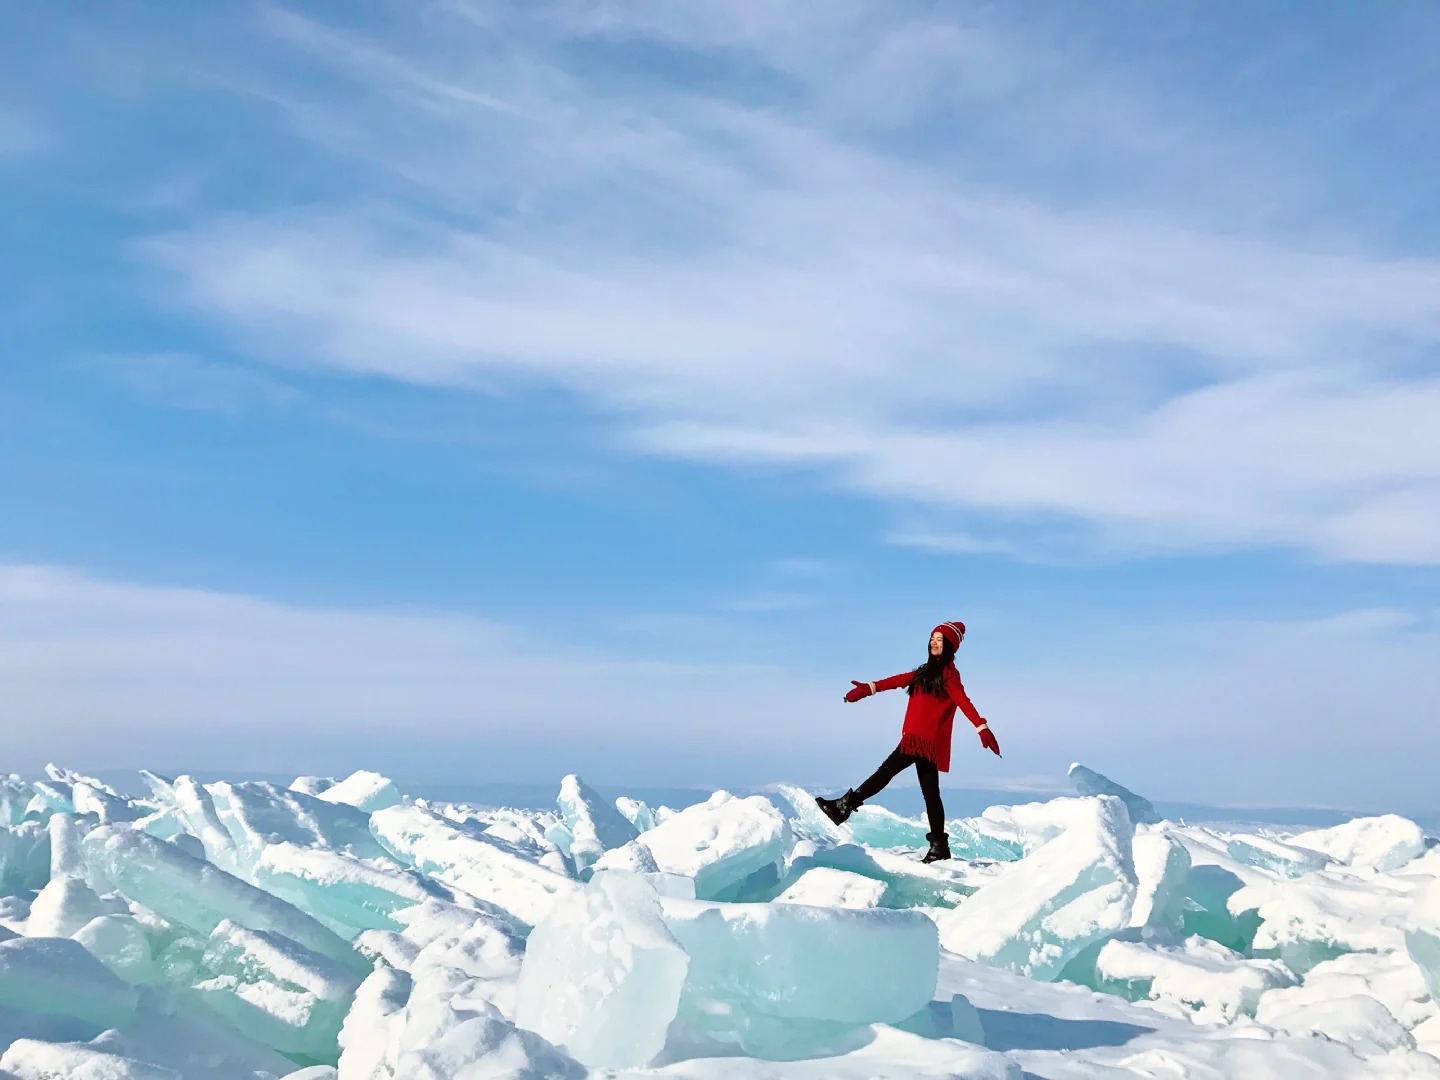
{"x": 865, "y": 689}
{"x": 956, "y": 689}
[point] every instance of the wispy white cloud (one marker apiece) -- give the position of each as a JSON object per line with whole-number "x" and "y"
{"x": 112, "y": 675}
{"x": 1347, "y": 468}
{"x": 742, "y": 269}
{"x": 111, "y": 672}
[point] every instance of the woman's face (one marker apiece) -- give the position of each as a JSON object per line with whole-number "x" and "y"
{"x": 937, "y": 643}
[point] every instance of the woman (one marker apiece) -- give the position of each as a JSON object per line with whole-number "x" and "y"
{"x": 935, "y": 691}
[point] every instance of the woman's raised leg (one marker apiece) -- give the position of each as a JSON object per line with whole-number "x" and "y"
{"x": 890, "y": 768}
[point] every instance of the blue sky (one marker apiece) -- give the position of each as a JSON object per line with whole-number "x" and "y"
{"x": 500, "y": 390}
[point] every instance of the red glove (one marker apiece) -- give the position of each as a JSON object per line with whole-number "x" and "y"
{"x": 987, "y": 739}
{"x": 858, "y": 690}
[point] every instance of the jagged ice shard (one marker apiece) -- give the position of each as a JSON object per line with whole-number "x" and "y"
{"x": 469, "y": 859}
{"x": 602, "y": 974}
{"x": 275, "y": 991}
{"x": 719, "y": 843}
{"x": 770, "y": 977}
{"x": 1037, "y": 914}
{"x": 194, "y": 893}
{"x": 1422, "y": 939}
{"x": 345, "y": 893}
{"x": 1089, "y": 782}
{"x": 595, "y": 824}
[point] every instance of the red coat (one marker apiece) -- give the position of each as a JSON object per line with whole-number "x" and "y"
{"x": 929, "y": 719}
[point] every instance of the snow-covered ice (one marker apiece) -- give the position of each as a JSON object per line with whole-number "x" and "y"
{"x": 720, "y": 843}
{"x": 595, "y": 826}
{"x": 340, "y": 929}
{"x": 1386, "y": 842}
{"x": 63, "y": 906}
{"x": 1357, "y": 1020}
{"x": 121, "y": 944}
{"x": 484, "y": 865}
{"x": 1203, "y": 976}
{"x": 1162, "y": 870}
{"x": 1073, "y": 889}
{"x": 26, "y": 1059}
{"x": 274, "y": 990}
{"x": 825, "y": 887}
{"x": 364, "y": 790}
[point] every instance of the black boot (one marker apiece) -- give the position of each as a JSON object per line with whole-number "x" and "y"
{"x": 838, "y": 810}
{"x": 939, "y": 847}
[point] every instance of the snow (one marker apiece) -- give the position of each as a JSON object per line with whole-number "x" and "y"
{"x": 1217, "y": 983}
{"x": 907, "y": 881}
{"x": 1427, "y": 1035}
{"x": 875, "y": 1052}
{"x": 1389, "y": 977}
{"x": 434, "y": 1026}
{"x": 367, "y": 791}
{"x": 62, "y": 907}
{"x": 255, "y": 815}
{"x": 485, "y": 1047}
{"x": 1387, "y": 842}
{"x": 1328, "y": 911}
{"x": 29, "y": 1060}
{"x": 824, "y": 887}
{"x": 1353, "y": 1019}
{"x": 379, "y": 1007}
{"x": 342, "y": 930}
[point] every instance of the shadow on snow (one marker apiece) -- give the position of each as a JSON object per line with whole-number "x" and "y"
{"x": 1005, "y": 1030}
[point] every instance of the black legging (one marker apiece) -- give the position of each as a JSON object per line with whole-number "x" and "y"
{"x": 929, "y": 776}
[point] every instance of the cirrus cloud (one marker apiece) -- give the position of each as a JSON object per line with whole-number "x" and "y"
{"x": 727, "y": 247}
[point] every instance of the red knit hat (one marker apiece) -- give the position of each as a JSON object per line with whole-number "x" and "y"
{"x": 952, "y": 632}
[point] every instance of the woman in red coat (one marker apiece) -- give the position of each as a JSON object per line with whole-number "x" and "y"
{"x": 935, "y": 692}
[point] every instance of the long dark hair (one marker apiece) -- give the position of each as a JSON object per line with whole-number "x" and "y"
{"x": 929, "y": 677}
